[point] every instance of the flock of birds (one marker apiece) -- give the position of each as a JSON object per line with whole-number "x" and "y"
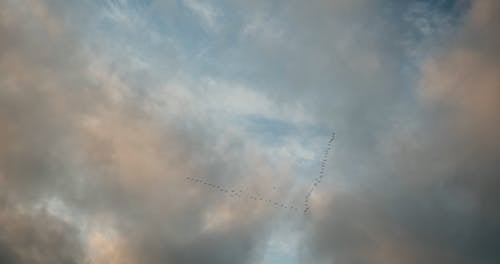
{"x": 317, "y": 180}
{"x": 241, "y": 194}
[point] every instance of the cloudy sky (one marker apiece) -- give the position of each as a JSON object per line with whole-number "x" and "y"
{"x": 194, "y": 131}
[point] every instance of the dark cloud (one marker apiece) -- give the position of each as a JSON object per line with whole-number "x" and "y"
{"x": 429, "y": 191}
{"x": 37, "y": 237}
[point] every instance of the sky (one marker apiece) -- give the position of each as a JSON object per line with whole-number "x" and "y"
{"x": 191, "y": 131}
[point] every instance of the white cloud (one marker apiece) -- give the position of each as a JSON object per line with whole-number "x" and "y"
{"x": 225, "y": 100}
{"x": 264, "y": 30}
{"x": 122, "y": 13}
{"x": 207, "y": 13}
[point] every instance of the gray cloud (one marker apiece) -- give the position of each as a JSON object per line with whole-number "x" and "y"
{"x": 77, "y": 135}
{"x": 411, "y": 90}
{"x": 37, "y": 237}
{"x": 423, "y": 191}
{"x": 413, "y": 174}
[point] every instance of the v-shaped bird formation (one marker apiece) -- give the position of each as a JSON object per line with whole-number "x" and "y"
{"x": 241, "y": 194}
{"x": 318, "y": 179}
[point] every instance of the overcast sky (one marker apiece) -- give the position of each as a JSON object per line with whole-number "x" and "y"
{"x": 197, "y": 131}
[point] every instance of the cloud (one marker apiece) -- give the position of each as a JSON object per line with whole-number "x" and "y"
{"x": 37, "y": 237}
{"x": 207, "y": 14}
{"x": 73, "y": 130}
{"x": 95, "y": 149}
{"x": 465, "y": 78}
{"x": 428, "y": 194}
{"x": 263, "y": 30}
